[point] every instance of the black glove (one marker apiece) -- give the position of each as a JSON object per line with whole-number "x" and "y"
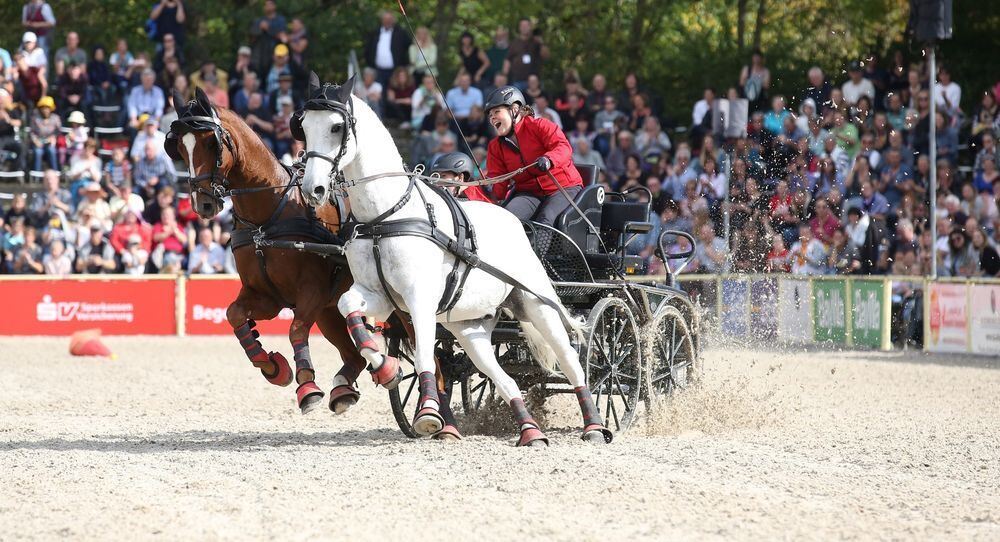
{"x": 543, "y": 163}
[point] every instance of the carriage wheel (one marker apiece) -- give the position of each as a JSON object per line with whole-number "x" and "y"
{"x": 405, "y": 396}
{"x": 612, "y": 358}
{"x": 672, "y": 354}
{"x": 477, "y": 391}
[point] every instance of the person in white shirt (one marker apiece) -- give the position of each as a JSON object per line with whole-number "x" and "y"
{"x": 207, "y": 257}
{"x": 857, "y": 86}
{"x": 34, "y": 54}
{"x": 808, "y": 254}
{"x": 424, "y": 99}
{"x": 947, "y": 93}
{"x": 702, "y": 107}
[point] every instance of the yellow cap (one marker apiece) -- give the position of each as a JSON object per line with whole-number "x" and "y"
{"x": 47, "y": 101}
{"x": 281, "y": 50}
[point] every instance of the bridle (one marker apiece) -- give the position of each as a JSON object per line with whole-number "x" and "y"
{"x": 321, "y": 102}
{"x": 213, "y": 185}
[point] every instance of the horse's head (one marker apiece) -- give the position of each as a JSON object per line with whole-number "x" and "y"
{"x": 199, "y": 139}
{"x": 327, "y": 126}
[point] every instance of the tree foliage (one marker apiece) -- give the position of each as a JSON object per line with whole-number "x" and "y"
{"x": 676, "y": 46}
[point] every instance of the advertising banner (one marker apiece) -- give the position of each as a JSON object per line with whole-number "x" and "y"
{"x": 206, "y": 303}
{"x": 830, "y": 310}
{"x": 60, "y": 307}
{"x": 948, "y": 319}
{"x": 985, "y": 316}
{"x": 764, "y": 308}
{"x": 795, "y": 318}
{"x": 867, "y": 308}
{"x": 735, "y": 317}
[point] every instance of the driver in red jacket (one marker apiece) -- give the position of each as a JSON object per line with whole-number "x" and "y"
{"x": 522, "y": 139}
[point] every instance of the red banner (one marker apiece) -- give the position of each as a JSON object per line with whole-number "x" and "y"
{"x": 60, "y": 307}
{"x": 207, "y": 301}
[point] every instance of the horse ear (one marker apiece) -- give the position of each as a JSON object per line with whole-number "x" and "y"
{"x": 314, "y": 83}
{"x": 202, "y": 98}
{"x": 178, "y": 100}
{"x": 344, "y": 93}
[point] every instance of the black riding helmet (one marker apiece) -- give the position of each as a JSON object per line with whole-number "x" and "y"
{"x": 455, "y": 162}
{"x": 503, "y": 96}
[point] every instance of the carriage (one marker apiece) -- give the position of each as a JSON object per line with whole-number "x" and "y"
{"x": 641, "y": 340}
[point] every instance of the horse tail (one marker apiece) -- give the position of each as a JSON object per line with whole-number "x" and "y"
{"x": 539, "y": 346}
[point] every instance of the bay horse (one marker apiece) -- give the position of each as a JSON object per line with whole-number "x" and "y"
{"x": 417, "y": 250}
{"x": 225, "y": 157}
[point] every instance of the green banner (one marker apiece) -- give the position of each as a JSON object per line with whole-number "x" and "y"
{"x": 829, "y": 311}
{"x": 867, "y": 298}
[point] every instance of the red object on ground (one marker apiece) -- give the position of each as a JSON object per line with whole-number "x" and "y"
{"x": 88, "y": 343}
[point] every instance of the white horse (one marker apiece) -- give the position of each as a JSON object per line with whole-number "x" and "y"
{"x": 344, "y": 136}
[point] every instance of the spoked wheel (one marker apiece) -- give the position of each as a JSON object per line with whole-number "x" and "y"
{"x": 672, "y": 353}
{"x": 403, "y": 397}
{"x": 612, "y": 357}
{"x": 477, "y": 391}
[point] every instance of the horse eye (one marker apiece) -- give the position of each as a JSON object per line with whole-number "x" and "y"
{"x": 336, "y": 128}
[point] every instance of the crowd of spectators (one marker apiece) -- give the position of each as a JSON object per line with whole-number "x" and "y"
{"x": 831, "y": 179}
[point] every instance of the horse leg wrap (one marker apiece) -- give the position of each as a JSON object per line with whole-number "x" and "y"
{"x": 450, "y": 429}
{"x": 530, "y": 432}
{"x": 593, "y": 426}
{"x": 387, "y": 373}
{"x": 272, "y": 365}
{"x": 303, "y": 364}
{"x": 428, "y": 420}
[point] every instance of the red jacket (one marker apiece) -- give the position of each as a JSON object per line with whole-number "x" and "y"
{"x": 535, "y": 137}
{"x": 476, "y": 193}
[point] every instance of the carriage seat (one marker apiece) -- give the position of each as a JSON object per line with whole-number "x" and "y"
{"x": 619, "y": 220}
{"x": 588, "y": 172}
{"x": 572, "y": 224}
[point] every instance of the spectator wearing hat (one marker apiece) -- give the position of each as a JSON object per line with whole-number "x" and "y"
{"x": 96, "y": 256}
{"x": 45, "y": 127}
{"x": 239, "y": 70}
{"x": 387, "y": 48}
{"x": 282, "y": 133}
{"x": 857, "y": 86}
{"x": 134, "y": 257}
{"x": 38, "y": 19}
{"x": 77, "y": 136}
{"x": 153, "y": 171}
{"x": 265, "y": 33}
{"x": 95, "y": 205}
{"x": 168, "y": 16}
{"x": 150, "y": 132}
{"x": 33, "y": 54}
{"x": 71, "y": 53}
{"x": 284, "y": 90}
{"x": 280, "y": 66}
{"x": 146, "y": 98}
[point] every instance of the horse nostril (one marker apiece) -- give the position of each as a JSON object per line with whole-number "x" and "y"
{"x": 319, "y": 191}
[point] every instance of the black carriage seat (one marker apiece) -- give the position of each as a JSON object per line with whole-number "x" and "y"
{"x": 620, "y": 220}
{"x": 575, "y": 227}
{"x": 588, "y": 172}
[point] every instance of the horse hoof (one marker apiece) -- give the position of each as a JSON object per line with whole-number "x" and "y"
{"x": 282, "y": 375}
{"x": 389, "y": 374}
{"x": 532, "y": 436}
{"x": 448, "y": 434}
{"x": 597, "y": 434}
{"x": 310, "y": 397}
{"x": 427, "y": 422}
{"x": 342, "y": 398}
